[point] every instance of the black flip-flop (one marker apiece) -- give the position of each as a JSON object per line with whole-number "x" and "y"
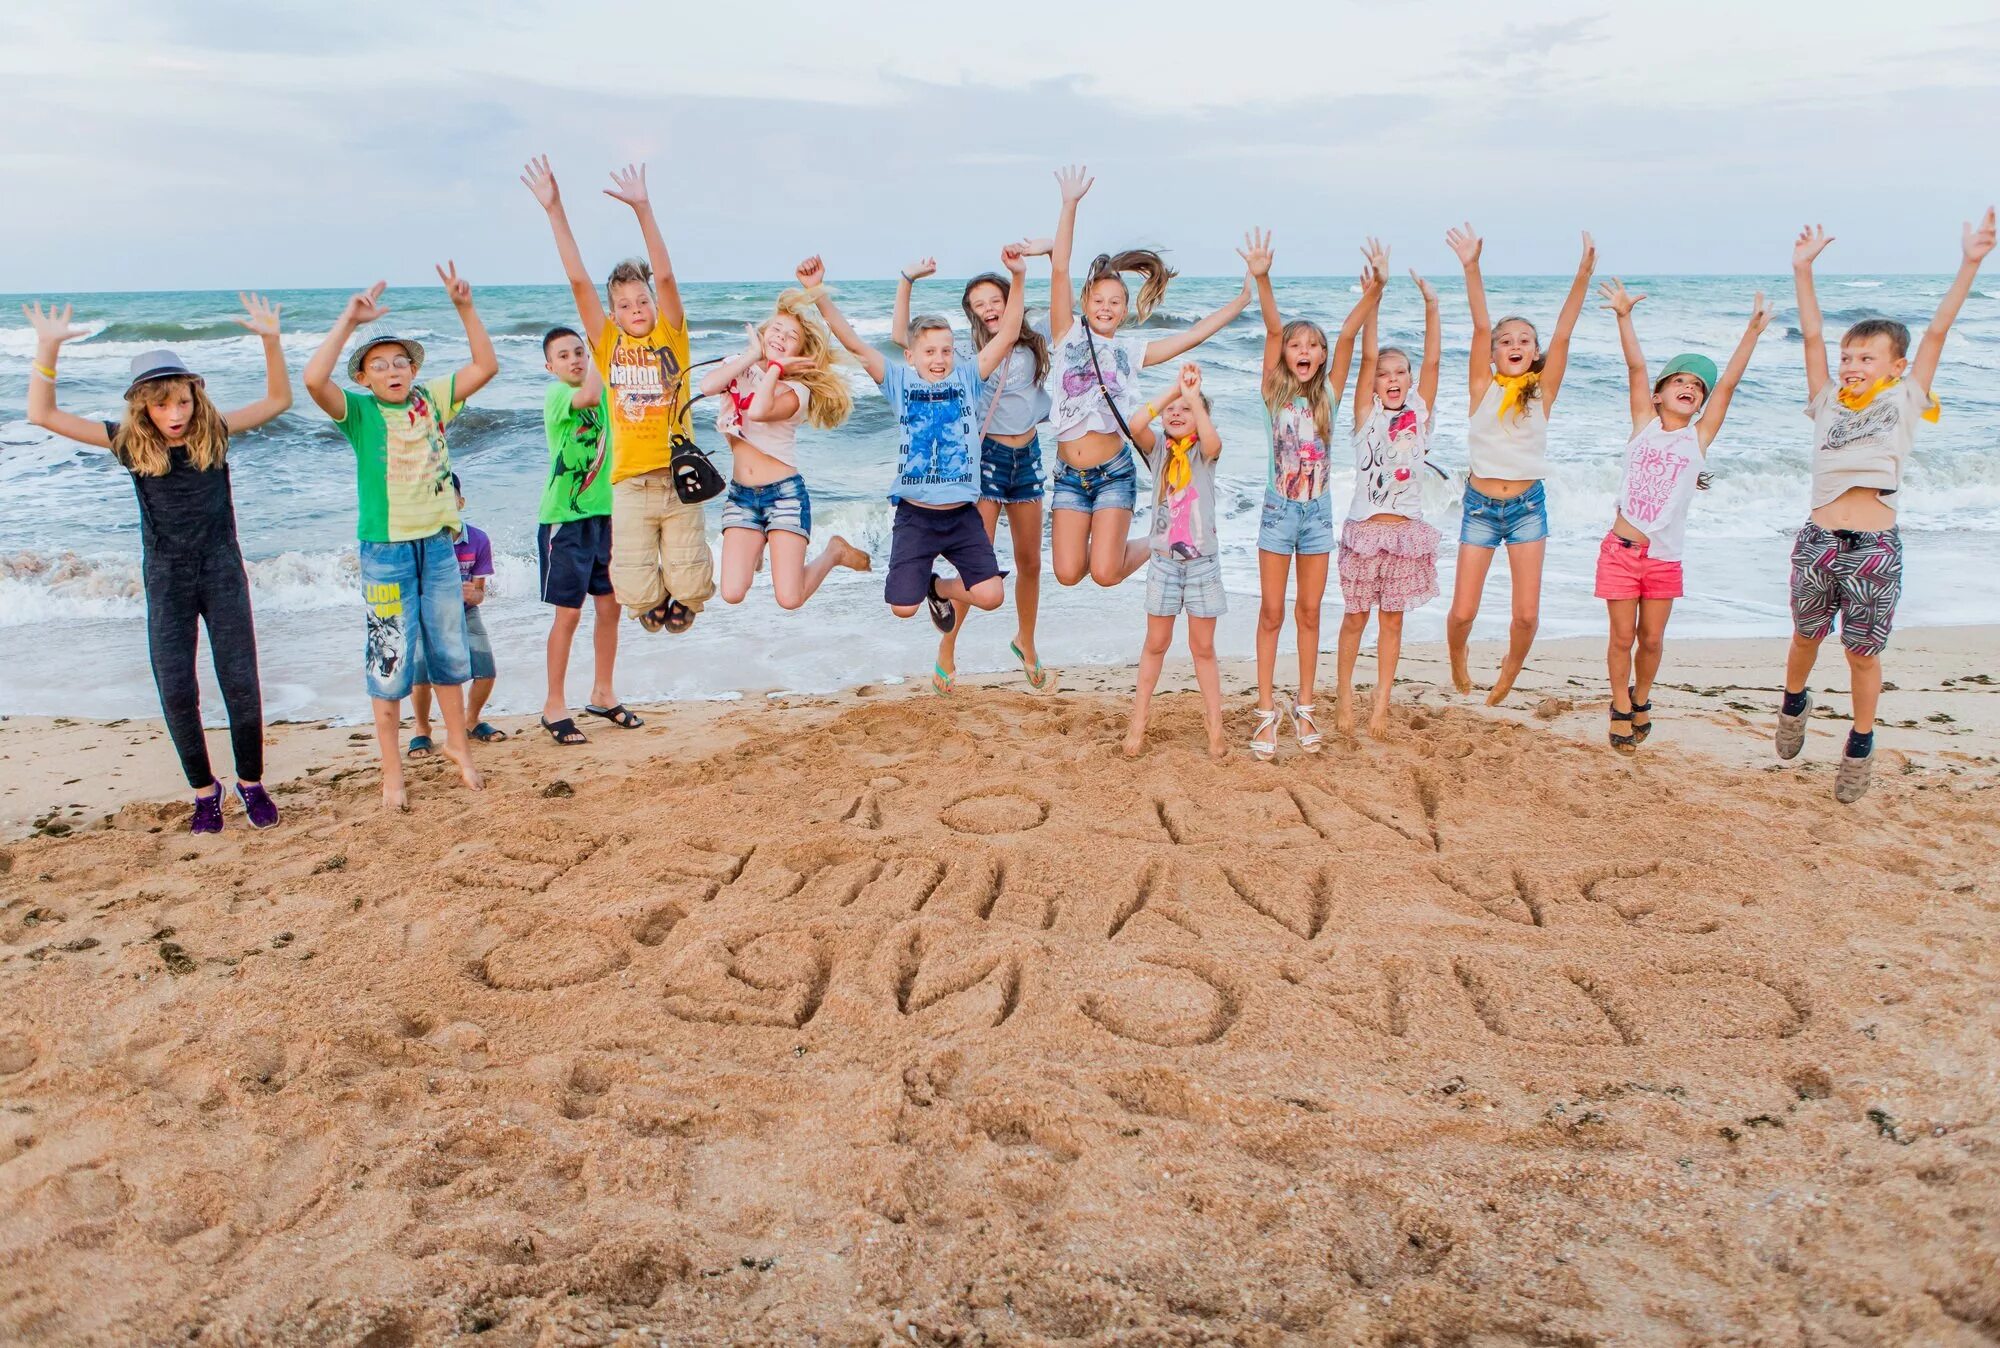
{"x": 617, "y": 715}
{"x": 942, "y": 616}
{"x": 564, "y": 731}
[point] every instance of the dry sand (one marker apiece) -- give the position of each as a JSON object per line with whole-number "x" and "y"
{"x": 882, "y": 1018}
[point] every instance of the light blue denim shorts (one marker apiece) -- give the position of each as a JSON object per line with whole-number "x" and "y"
{"x": 1293, "y": 527}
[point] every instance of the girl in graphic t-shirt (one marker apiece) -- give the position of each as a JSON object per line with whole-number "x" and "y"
{"x": 1302, "y": 381}
{"x": 1388, "y": 552}
{"x": 1093, "y": 388}
{"x": 175, "y": 443}
{"x": 784, "y": 375}
{"x": 1674, "y": 420}
{"x": 1513, "y": 385}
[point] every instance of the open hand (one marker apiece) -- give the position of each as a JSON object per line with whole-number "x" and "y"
{"x": 53, "y": 326}
{"x": 1618, "y": 299}
{"x": 1377, "y": 254}
{"x": 1424, "y": 289}
{"x": 261, "y": 315}
{"x": 796, "y": 363}
{"x": 366, "y": 306}
{"x": 1588, "y": 263}
{"x": 1074, "y": 180}
{"x": 455, "y": 285}
{"x": 1760, "y": 313}
{"x": 1979, "y": 242}
{"x": 1014, "y": 260}
{"x": 1256, "y": 252}
{"x": 540, "y": 179}
{"x": 1812, "y": 241}
{"x": 922, "y": 267}
{"x": 811, "y": 272}
{"x": 629, "y": 186}
{"x": 1037, "y": 247}
{"x": 1190, "y": 385}
{"x": 1465, "y": 243}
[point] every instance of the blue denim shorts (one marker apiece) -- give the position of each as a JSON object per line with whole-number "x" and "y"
{"x": 1010, "y": 473}
{"x": 478, "y": 650}
{"x": 416, "y": 615}
{"x": 1487, "y": 522}
{"x": 1289, "y": 527}
{"x": 1113, "y": 485}
{"x": 783, "y": 506}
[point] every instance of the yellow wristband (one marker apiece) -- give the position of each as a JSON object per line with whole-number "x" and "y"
{"x": 1151, "y": 411}
{"x": 47, "y": 374}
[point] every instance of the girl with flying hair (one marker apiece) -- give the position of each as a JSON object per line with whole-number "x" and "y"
{"x": 175, "y": 444}
{"x": 785, "y": 374}
{"x": 1093, "y": 389}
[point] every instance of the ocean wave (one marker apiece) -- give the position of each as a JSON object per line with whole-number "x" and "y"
{"x": 1859, "y": 285}
{"x": 164, "y": 334}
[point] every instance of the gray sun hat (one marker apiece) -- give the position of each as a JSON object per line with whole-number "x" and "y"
{"x": 159, "y": 364}
{"x": 370, "y": 340}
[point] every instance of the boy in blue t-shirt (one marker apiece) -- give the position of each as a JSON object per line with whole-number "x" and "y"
{"x": 937, "y": 484}
{"x": 474, "y": 551}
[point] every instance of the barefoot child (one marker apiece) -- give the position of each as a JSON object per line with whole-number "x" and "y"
{"x": 933, "y": 396}
{"x": 1301, "y": 390}
{"x": 1388, "y": 551}
{"x": 1513, "y": 386}
{"x": 1093, "y": 389}
{"x": 661, "y": 567}
{"x": 408, "y": 514}
{"x": 573, "y": 539}
{"x": 1185, "y": 573}
{"x": 1639, "y": 561}
{"x": 1847, "y": 562}
{"x": 474, "y": 551}
{"x": 785, "y": 375}
{"x": 175, "y": 444}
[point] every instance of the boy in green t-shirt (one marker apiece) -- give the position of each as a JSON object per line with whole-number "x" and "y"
{"x": 573, "y": 544}
{"x": 408, "y": 513}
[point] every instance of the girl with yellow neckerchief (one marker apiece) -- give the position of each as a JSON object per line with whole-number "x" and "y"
{"x": 1512, "y": 386}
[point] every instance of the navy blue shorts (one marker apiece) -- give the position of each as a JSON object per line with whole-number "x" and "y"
{"x": 922, "y": 535}
{"x": 575, "y": 558}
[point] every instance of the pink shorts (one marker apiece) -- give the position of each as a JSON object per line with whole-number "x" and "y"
{"x": 1388, "y": 566}
{"x": 1628, "y": 570}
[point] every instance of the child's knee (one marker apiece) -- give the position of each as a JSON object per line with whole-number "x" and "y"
{"x": 1070, "y": 573}
{"x": 1201, "y": 644}
{"x": 1271, "y": 614}
{"x": 733, "y": 592}
{"x": 788, "y": 596}
{"x": 988, "y": 594}
{"x": 1352, "y": 624}
{"x": 1105, "y": 573}
{"x": 1524, "y": 624}
{"x": 903, "y": 610}
{"x": 1652, "y": 643}
{"x": 1158, "y": 643}
{"x": 1389, "y": 624}
{"x": 1306, "y": 616}
{"x": 1027, "y": 558}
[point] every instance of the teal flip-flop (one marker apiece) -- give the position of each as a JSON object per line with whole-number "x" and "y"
{"x": 421, "y": 745}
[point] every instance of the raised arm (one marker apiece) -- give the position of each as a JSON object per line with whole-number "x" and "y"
{"x": 1977, "y": 244}
{"x": 629, "y": 186}
{"x": 53, "y": 328}
{"x": 1812, "y": 241}
{"x": 538, "y": 179}
{"x": 364, "y": 307}
{"x": 812, "y": 278}
{"x": 899, "y": 319}
{"x": 1008, "y": 331}
{"x": 1479, "y": 364}
{"x": 476, "y": 373}
{"x": 1555, "y": 356}
{"x": 1204, "y": 425}
{"x": 1074, "y": 182}
{"x": 720, "y": 377}
{"x": 1427, "y": 379}
{"x": 1717, "y": 408}
{"x": 262, "y": 319}
{"x": 773, "y": 399}
{"x": 1267, "y": 305}
{"x": 1342, "y": 355}
{"x": 1377, "y": 255}
{"x": 1638, "y": 388}
{"x": 591, "y": 391}
{"x": 1256, "y": 255}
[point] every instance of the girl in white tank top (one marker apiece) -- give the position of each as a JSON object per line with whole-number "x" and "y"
{"x": 1512, "y": 383}
{"x": 1675, "y": 417}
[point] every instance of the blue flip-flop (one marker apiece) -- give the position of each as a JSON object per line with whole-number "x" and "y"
{"x": 421, "y": 745}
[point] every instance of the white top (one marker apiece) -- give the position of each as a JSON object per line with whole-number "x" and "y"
{"x": 1389, "y": 452}
{"x": 779, "y": 439}
{"x": 1511, "y": 447}
{"x": 1864, "y": 448}
{"x": 1661, "y": 468}
{"x": 1077, "y": 406}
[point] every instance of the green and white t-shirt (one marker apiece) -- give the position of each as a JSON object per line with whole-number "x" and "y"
{"x": 402, "y": 469}
{"x": 579, "y": 459}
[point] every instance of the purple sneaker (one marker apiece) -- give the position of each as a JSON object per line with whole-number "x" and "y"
{"x": 207, "y": 813}
{"x": 258, "y": 805}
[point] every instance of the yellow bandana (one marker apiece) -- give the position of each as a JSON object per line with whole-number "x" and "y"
{"x": 1180, "y": 471}
{"x": 1856, "y": 399}
{"x": 1515, "y": 390}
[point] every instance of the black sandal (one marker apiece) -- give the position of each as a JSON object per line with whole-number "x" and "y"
{"x": 1645, "y": 709}
{"x": 617, "y": 715}
{"x": 564, "y": 731}
{"x": 678, "y": 617}
{"x": 1624, "y": 744}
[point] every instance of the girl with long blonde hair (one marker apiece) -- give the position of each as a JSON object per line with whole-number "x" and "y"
{"x": 787, "y": 373}
{"x": 175, "y": 443}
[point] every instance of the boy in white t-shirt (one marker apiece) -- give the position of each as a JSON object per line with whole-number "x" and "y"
{"x": 1848, "y": 559}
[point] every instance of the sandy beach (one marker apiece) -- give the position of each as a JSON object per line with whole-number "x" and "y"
{"x": 881, "y": 1017}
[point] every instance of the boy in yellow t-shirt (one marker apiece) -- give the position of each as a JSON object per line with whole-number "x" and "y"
{"x": 661, "y": 569}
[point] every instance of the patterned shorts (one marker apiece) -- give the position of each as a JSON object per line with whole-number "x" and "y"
{"x": 1193, "y": 587}
{"x": 1850, "y": 573}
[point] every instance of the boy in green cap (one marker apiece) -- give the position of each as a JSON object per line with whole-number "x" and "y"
{"x": 1674, "y": 420}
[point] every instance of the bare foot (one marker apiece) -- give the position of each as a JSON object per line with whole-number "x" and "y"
{"x": 1503, "y": 684}
{"x": 467, "y": 773}
{"x": 1461, "y": 677}
{"x": 395, "y": 798}
{"x": 1378, "y": 724}
{"x": 1135, "y": 741}
{"x": 851, "y": 557}
{"x": 1218, "y": 747}
{"x": 1343, "y": 714}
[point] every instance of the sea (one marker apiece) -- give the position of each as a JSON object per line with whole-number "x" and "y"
{"x": 72, "y": 614}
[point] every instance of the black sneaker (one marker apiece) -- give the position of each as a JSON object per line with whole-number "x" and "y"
{"x": 943, "y": 617}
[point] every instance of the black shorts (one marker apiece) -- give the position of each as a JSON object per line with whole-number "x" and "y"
{"x": 575, "y": 558}
{"x": 924, "y": 533}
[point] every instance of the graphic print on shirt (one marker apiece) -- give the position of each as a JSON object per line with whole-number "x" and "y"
{"x": 416, "y": 464}
{"x": 645, "y": 381}
{"x": 937, "y": 434}
{"x": 1080, "y": 382}
{"x": 1298, "y": 457}
{"x": 1392, "y": 452}
{"x": 1879, "y": 418}
{"x": 576, "y": 479}
{"x": 1179, "y": 514}
{"x": 1650, "y": 482}
{"x": 386, "y": 638}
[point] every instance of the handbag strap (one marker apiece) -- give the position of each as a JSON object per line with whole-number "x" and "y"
{"x": 1091, "y": 339}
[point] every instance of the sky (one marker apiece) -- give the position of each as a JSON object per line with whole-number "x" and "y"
{"x": 188, "y": 144}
